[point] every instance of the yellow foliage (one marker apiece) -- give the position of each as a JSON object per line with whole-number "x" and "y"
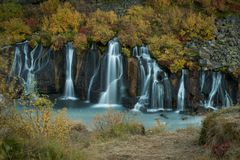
{"x": 135, "y": 26}
{"x": 80, "y": 42}
{"x": 10, "y": 90}
{"x": 126, "y": 52}
{"x": 66, "y": 19}
{"x": 49, "y": 7}
{"x": 177, "y": 65}
{"x": 100, "y": 26}
{"x": 14, "y": 30}
{"x": 169, "y": 51}
{"x": 198, "y": 26}
{"x": 41, "y": 121}
{"x": 159, "y": 4}
{"x": 62, "y": 25}
{"x": 10, "y": 10}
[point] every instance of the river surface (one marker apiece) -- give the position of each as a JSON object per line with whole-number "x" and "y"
{"x": 85, "y": 112}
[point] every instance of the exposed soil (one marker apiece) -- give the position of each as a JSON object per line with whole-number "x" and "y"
{"x": 180, "y": 145}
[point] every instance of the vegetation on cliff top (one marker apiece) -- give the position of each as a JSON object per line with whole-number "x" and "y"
{"x": 165, "y": 25}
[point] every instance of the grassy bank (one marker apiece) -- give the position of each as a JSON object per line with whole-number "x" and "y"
{"x": 39, "y": 134}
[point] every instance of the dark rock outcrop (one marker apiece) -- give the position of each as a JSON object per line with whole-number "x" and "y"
{"x": 224, "y": 50}
{"x": 87, "y": 67}
{"x": 6, "y": 58}
{"x": 132, "y": 77}
{"x": 50, "y": 80}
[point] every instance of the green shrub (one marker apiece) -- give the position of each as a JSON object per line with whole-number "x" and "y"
{"x": 116, "y": 125}
{"x": 157, "y": 129}
{"x": 37, "y": 149}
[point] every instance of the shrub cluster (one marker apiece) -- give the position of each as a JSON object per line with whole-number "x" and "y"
{"x": 116, "y": 125}
{"x": 221, "y": 131}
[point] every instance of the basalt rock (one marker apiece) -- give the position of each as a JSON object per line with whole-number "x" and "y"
{"x": 86, "y": 68}
{"x": 223, "y": 51}
{"x": 50, "y": 80}
{"x": 132, "y": 77}
{"x": 6, "y": 58}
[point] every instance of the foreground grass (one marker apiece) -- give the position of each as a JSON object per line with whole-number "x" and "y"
{"x": 180, "y": 145}
{"x": 38, "y": 134}
{"x": 221, "y": 133}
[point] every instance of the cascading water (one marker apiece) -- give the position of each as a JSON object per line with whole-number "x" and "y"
{"x": 202, "y": 80}
{"x": 17, "y": 64}
{"x": 95, "y": 69}
{"x": 113, "y": 74}
{"x": 155, "y": 87}
{"x": 181, "y": 97}
{"x": 216, "y": 88}
{"x": 217, "y": 77}
{"x": 26, "y": 64}
{"x": 69, "y": 93}
{"x": 91, "y": 84}
{"x": 227, "y": 100}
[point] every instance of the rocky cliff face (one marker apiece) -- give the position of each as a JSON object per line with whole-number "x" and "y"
{"x": 224, "y": 51}
{"x": 87, "y": 67}
{"x": 50, "y": 80}
{"x": 6, "y": 58}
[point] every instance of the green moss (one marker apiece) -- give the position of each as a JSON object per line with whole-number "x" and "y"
{"x": 116, "y": 125}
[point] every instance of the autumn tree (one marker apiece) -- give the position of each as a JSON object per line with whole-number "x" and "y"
{"x": 10, "y": 10}
{"x": 49, "y": 7}
{"x": 12, "y": 27}
{"x": 63, "y": 25}
{"x": 198, "y": 26}
{"x": 135, "y": 27}
{"x": 101, "y": 26}
{"x": 13, "y": 30}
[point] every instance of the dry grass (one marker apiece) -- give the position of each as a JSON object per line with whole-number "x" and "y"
{"x": 180, "y": 145}
{"x": 221, "y": 133}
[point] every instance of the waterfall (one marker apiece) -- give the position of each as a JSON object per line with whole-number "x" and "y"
{"x": 216, "y": 88}
{"x": 27, "y": 63}
{"x": 95, "y": 66}
{"x": 227, "y": 100}
{"x": 216, "y": 82}
{"x": 181, "y": 96}
{"x": 69, "y": 93}
{"x": 113, "y": 74}
{"x": 155, "y": 87}
{"x": 91, "y": 84}
{"x": 17, "y": 63}
{"x": 202, "y": 80}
